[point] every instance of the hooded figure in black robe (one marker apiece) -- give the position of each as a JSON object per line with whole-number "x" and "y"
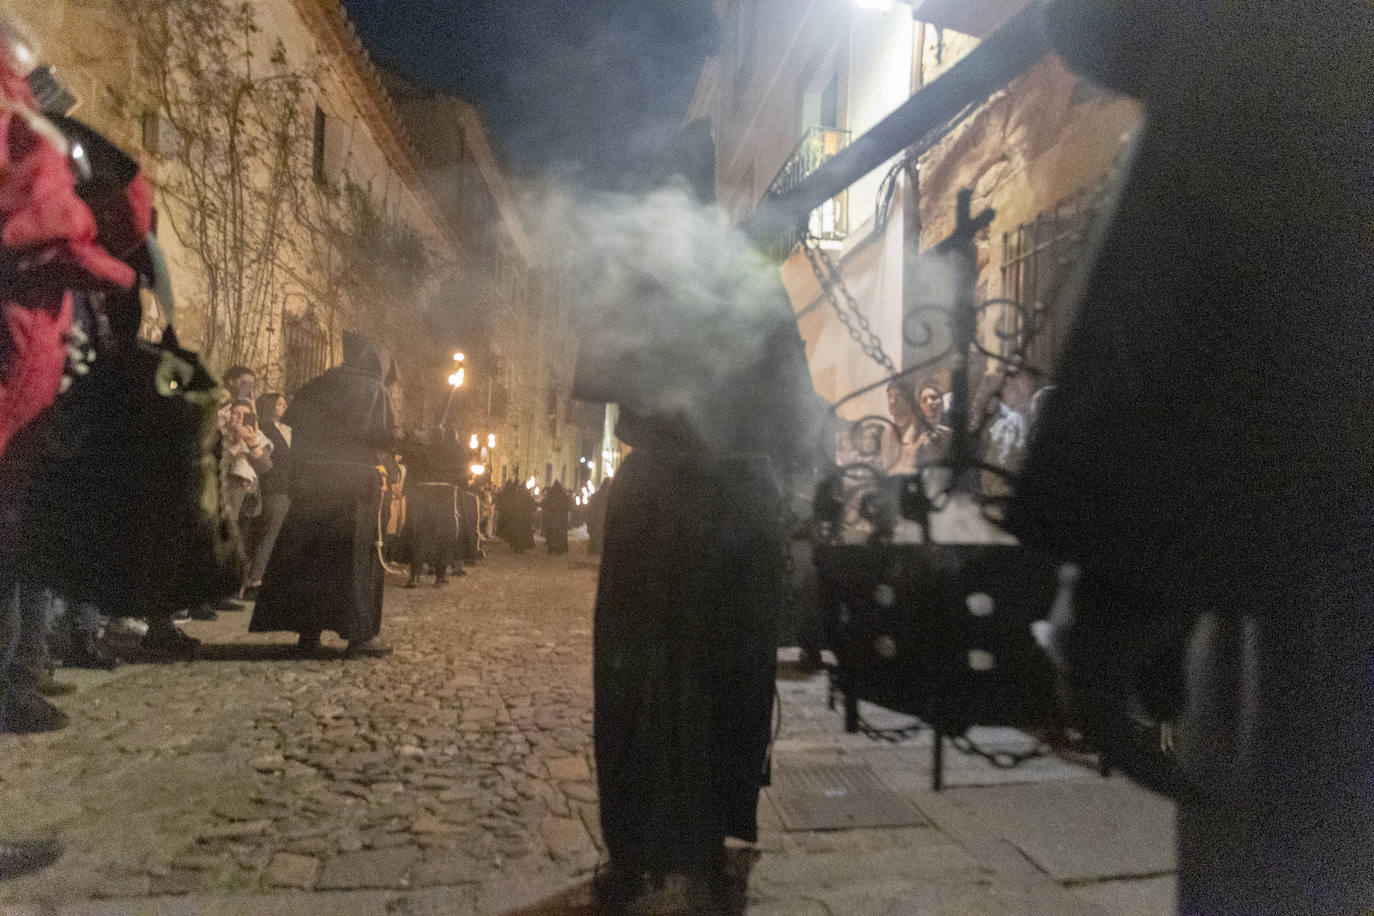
{"x": 557, "y": 507}
{"x": 1207, "y": 454}
{"x": 701, "y": 352}
{"x": 431, "y": 534}
{"x": 326, "y": 571}
{"x": 519, "y": 518}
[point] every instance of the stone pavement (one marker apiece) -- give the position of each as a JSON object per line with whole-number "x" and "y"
{"x": 455, "y": 776}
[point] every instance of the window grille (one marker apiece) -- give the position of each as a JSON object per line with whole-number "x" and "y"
{"x": 305, "y": 349}
{"x": 1038, "y": 257}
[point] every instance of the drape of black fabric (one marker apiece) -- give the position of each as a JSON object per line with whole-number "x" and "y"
{"x": 684, "y": 656}
{"x": 326, "y": 571}
{"x": 1208, "y": 453}
{"x": 119, "y": 501}
{"x": 557, "y": 509}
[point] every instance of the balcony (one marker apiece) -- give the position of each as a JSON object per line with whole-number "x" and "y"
{"x": 830, "y": 221}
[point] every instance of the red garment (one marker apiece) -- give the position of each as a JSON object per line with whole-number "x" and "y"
{"x": 34, "y": 372}
{"x": 48, "y": 248}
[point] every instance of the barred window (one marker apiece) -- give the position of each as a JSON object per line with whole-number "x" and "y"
{"x": 305, "y": 349}
{"x": 1038, "y": 257}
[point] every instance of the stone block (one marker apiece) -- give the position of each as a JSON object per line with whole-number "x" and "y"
{"x": 291, "y": 870}
{"x": 567, "y": 838}
{"x": 569, "y": 769}
{"x": 369, "y": 868}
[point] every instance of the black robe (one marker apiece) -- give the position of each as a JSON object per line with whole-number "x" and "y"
{"x": 519, "y": 519}
{"x": 693, "y": 557}
{"x": 326, "y": 571}
{"x": 431, "y": 532}
{"x": 686, "y": 615}
{"x": 1207, "y": 455}
{"x": 557, "y": 507}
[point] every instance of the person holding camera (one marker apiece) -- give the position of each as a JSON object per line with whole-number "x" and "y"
{"x": 247, "y": 454}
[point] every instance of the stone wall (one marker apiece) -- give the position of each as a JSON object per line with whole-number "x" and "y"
{"x": 1044, "y": 137}
{"x": 94, "y": 51}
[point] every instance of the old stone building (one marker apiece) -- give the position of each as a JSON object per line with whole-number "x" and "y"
{"x": 301, "y": 194}
{"x": 795, "y": 83}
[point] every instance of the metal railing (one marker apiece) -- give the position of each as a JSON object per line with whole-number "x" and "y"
{"x": 829, "y": 221}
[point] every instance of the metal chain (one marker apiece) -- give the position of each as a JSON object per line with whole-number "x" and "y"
{"x": 1003, "y": 760}
{"x": 828, "y": 276}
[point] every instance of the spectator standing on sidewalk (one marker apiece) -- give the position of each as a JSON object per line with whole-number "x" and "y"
{"x": 326, "y": 572}
{"x": 272, "y": 485}
{"x": 247, "y": 455}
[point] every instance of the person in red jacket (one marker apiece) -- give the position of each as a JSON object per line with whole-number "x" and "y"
{"x": 48, "y": 249}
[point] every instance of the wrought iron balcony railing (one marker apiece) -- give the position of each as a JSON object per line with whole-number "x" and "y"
{"x": 829, "y": 221}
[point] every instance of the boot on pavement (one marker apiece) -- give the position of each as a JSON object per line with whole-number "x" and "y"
{"x": 165, "y": 642}
{"x": 22, "y": 857}
{"x": 25, "y": 712}
{"x": 88, "y": 653}
{"x": 372, "y": 648}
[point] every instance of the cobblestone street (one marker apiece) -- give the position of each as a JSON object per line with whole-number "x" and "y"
{"x": 460, "y": 760}
{"x": 455, "y": 776}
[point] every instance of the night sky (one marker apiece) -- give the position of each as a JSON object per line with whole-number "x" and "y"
{"x": 588, "y": 89}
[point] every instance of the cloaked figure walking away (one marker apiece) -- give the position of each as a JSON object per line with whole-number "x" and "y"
{"x": 715, "y": 400}
{"x": 557, "y": 508}
{"x": 326, "y": 571}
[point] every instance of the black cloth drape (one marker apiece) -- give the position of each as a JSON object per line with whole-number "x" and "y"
{"x": 1207, "y": 455}
{"x": 117, "y": 490}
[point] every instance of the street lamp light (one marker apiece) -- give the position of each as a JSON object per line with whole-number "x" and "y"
{"x": 455, "y": 382}
{"x": 491, "y": 440}
{"x": 472, "y": 441}
{"x": 458, "y": 357}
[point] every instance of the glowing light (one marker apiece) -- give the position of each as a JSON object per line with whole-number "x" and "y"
{"x": 536, "y": 491}
{"x": 478, "y": 470}
{"x": 456, "y": 379}
{"x": 529, "y": 484}
{"x": 472, "y": 441}
{"x": 578, "y": 500}
{"x": 491, "y": 440}
{"x": 458, "y": 357}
